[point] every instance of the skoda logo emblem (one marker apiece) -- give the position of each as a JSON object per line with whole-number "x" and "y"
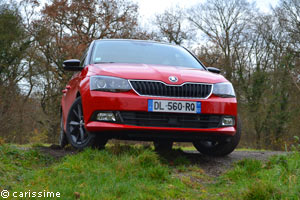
{"x": 173, "y": 79}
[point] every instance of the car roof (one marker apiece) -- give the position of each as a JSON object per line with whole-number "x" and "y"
{"x": 135, "y": 40}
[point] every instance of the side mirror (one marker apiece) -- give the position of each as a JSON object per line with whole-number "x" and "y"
{"x": 72, "y": 65}
{"x": 213, "y": 70}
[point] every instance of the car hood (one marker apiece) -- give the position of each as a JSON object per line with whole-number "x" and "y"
{"x": 154, "y": 72}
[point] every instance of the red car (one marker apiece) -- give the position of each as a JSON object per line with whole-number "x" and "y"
{"x": 150, "y": 91}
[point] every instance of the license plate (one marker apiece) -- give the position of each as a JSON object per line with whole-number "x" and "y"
{"x": 174, "y": 106}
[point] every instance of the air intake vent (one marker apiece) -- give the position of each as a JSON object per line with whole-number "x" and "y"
{"x": 179, "y": 120}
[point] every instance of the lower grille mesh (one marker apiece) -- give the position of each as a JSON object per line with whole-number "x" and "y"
{"x": 178, "y": 120}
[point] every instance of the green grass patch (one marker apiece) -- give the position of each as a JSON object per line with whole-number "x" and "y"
{"x": 278, "y": 178}
{"x": 119, "y": 172}
{"x": 186, "y": 148}
{"x": 15, "y": 162}
{"x": 247, "y": 149}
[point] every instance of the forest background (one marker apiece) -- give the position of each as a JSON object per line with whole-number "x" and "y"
{"x": 257, "y": 51}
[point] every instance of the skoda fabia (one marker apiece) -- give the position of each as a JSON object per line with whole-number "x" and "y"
{"x": 150, "y": 91}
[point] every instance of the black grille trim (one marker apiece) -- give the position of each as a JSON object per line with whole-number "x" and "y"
{"x": 176, "y": 120}
{"x": 161, "y": 89}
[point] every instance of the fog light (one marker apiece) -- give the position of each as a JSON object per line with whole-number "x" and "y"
{"x": 228, "y": 121}
{"x": 107, "y": 116}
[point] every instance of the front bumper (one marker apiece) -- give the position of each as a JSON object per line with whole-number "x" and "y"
{"x": 93, "y": 101}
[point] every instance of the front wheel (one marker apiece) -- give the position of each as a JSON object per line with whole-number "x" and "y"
{"x": 77, "y": 135}
{"x": 219, "y": 148}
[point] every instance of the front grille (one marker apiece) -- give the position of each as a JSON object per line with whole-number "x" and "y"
{"x": 178, "y": 120}
{"x": 155, "y": 88}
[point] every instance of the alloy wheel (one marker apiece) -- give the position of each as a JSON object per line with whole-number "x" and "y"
{"x": 77, "y": 130}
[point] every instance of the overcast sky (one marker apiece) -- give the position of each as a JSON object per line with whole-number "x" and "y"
{"x": 148, "y": 8}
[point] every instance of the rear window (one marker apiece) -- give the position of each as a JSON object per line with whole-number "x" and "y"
{"x": 140, "y": 52}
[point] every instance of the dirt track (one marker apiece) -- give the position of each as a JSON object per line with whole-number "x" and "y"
{"x": 216, "y": 166}
{"x": 213, "y": 166}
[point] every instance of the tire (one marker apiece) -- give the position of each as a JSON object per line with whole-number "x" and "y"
{"x": 163, "y": 145}
{"x": 76, "y": 133}
{"x": 63, "y": 141}
{"x": 220, "y": 148}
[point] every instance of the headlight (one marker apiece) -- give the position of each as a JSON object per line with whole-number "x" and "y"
{"x": 109, "y": 84}
{"x": 223, "y": 90}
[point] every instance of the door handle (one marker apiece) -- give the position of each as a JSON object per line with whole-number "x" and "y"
{"x": 64, "y": 91}
{"x": 68, "y": 87}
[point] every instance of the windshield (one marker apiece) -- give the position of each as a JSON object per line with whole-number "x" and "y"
{"x": 139, "y": 52}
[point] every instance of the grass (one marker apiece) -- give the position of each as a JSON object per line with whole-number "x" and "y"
{"x": 14, "y": 163}
{"x": 136, "y": 172}
{"x": 279, "y": 178}
{"x": 120, "y": 172}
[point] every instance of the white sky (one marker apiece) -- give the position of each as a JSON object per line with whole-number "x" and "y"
{"x": 149, "y": 8}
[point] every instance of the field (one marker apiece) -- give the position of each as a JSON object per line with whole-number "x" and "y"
{"x": 138, "y": 172}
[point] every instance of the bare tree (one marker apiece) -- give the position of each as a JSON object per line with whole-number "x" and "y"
{"x": 223, "y": 22}
{"x": 172, "y": 26}
{"x": 288, "y": 16}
